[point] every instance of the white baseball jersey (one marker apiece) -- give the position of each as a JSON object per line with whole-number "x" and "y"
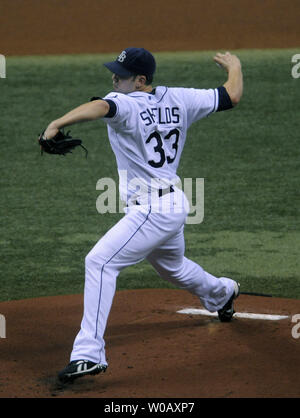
{"x": 148, "y": 133}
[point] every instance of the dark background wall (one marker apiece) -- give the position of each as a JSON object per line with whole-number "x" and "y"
{"x": 94, "y": 26}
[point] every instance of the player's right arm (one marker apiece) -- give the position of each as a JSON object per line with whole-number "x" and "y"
{"x": 234, "y": 83}
{"x": 86, "y": 112}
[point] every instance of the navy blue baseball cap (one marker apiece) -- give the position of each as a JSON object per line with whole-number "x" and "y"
{"x": 133, "y": 61}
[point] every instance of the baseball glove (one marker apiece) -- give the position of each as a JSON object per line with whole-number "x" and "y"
{"x": 60, "y": 144}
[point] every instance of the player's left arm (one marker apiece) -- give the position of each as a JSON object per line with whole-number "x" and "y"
{"x": 90, "y": 111}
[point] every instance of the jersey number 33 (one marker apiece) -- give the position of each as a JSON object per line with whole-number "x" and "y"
{"x": 173, "y": 136}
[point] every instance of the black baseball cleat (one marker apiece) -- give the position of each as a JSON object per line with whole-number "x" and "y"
{"x": 79, "y": 368}
{"x": 226, "y": 313}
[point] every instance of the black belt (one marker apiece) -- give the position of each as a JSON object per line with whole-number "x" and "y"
{"x": 161, "y": 192}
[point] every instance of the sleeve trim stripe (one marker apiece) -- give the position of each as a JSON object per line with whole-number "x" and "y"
{"x": 216, "y": 93}
{"x": 112, "y": 108}
{"x": 224, "y": 99}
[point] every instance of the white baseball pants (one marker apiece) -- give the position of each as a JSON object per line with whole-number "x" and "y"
{"x": 153, "y": 232}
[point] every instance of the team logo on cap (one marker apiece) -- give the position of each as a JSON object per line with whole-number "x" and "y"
{"x": 122, "y": 56}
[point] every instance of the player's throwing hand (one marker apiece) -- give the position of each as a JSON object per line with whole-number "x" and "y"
{"x": 227, "y": 60}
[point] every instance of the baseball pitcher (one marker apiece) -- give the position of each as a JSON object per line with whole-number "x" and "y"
{"x": 147, "y": 129}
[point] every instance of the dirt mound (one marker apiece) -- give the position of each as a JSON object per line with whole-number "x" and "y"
{"x": 152, "y": 350}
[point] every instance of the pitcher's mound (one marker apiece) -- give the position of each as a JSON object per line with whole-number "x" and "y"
{"x": 153, "y": 351}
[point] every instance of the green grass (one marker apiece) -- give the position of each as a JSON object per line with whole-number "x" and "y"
{"x": 248, "y": 156}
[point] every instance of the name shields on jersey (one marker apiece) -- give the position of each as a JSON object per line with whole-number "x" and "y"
{"x": 160, "y": 115}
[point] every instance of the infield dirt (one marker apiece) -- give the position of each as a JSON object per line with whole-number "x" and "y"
{"x": 152, "y": 350}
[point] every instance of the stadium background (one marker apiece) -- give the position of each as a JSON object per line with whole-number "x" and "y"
{"x": 33, "y": 27}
